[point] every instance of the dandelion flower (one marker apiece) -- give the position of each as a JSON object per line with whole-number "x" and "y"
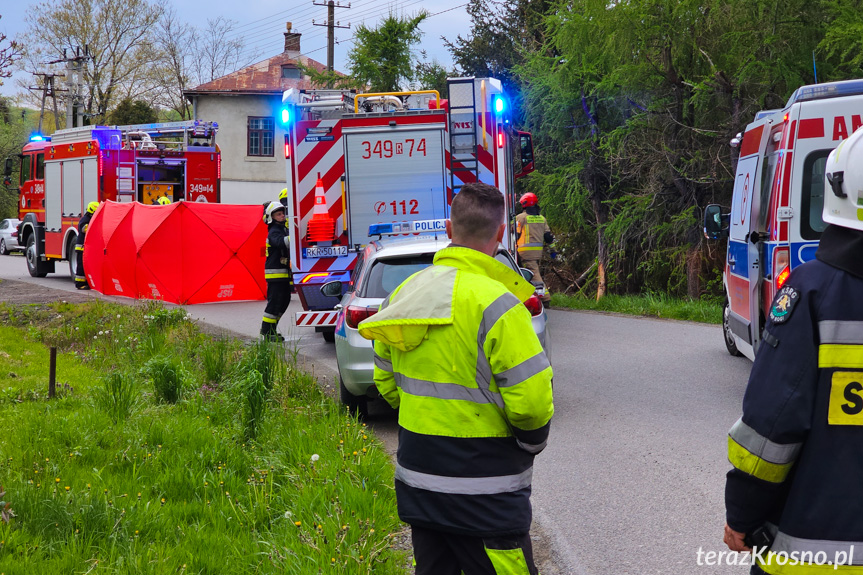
{"x": 67, "y": 488}
{"x": 288, "y": 514}
{"x": 298, "y": 523}
{"x": 355, "y": 452}
{"x": 315, "y": 457}
{"x": 163, "y": 501}
{"x": 57, "y": 480}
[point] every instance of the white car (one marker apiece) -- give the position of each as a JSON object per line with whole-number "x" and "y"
{"x": 9, "y": 236}
{"x": 381, "y": 267}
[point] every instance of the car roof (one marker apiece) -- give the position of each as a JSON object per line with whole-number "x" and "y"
{"x": 406, "y": 246}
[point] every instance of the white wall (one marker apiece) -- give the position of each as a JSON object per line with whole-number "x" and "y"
{"x": 240, "y": 192}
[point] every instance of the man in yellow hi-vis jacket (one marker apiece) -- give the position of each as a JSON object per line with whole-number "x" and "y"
{"x": 456, "y": 354}
{"x": 532, "y": 232}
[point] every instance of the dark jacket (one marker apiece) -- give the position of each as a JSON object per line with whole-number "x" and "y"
{"x": 83, "y": 224}
{"x": 797, "y": 451}
{"x": 278, "y": 264}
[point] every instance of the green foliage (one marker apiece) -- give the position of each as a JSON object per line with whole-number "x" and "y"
{"x": 16, "y": 125}
{"x": 176, "y": 488}
{"x": 166, "y": 373}
{"x": 431, "y": 75}
{"x": 133, "y": 112}
{"x": 382, "y": 57}
{"x": 632, "y": 106}
{"x": 651, "y": 304}
{"x": 214, "y": 360}
{"x": 117, "y": 395}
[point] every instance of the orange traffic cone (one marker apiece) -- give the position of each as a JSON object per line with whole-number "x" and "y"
{"x": 321, "y": 227}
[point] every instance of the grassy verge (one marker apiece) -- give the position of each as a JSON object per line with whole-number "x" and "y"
{"x": 167, "y": 451}
{"x": 648, "y": 305}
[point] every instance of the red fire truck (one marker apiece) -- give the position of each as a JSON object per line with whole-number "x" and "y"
{"x": 355, "y": 160}
{"x": 62, "y": 173}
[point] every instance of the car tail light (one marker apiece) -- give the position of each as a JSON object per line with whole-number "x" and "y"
{"x": 355, "y": 314}
{"x": 15, "y": 234}
{"x": 781, "y": 269}
{"x": 533, "y": 305}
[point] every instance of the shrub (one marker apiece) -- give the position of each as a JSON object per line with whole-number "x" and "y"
{"x": 168, "y": 378}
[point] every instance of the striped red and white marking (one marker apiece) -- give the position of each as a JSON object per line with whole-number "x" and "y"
{"x": 317, "y": 318}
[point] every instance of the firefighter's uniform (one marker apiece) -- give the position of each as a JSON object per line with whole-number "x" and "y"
{"x": 455, "y": 352}
{"x": 277, "y": 272}
{"x": 797, "y": 451}
{"x": 80, "y": 276}
{"x": 532, "y": 232}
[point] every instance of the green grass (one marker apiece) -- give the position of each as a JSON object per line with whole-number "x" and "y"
{"x": 100, "y": 483}
{"x": 646, "y": 305}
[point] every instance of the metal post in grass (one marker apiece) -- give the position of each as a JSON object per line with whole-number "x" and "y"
{"x": 52, "y": 374}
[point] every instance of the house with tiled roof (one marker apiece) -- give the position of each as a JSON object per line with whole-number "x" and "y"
{"x": 246, "y": 103}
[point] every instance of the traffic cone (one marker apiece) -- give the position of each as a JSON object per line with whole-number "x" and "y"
{"x": 321, "y": 227}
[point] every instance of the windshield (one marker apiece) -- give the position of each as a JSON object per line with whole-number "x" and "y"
{"x": 386, "y": 275}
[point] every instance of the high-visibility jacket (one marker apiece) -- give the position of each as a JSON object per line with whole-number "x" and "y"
{"x": 797, "y": 451}
{"x": 531, "y": 232}
{"x": 277, "y": 266}
{"x": 455, "y": 352}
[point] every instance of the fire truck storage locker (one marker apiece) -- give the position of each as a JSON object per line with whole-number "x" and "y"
{"x": 394, "y": 175}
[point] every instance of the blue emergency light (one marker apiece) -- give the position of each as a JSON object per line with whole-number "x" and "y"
{"x": 499, "y": 105}
{"x": 286, "y": 115}
{"x": 37, "y": 138}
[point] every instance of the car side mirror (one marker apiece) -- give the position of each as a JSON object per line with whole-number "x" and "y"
{"x": 332, "y": 289}
{"x": 715, "y": 222}
{"x": 526, "y": 274}
{"x": 7, "y": 168}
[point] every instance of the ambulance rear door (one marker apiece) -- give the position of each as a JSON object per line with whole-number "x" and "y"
{"x": 743, "y": 266}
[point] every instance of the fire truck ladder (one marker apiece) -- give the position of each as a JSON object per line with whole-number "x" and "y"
{"x": 462, "y": 132}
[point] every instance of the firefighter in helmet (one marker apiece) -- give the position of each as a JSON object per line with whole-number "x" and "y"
{"x": 277, "y": 270}
{"x": 797, "y": 450}
{"x": 83, "y": 224}
{"x": 532, "y": 232}
{"x": 283, "y": 197}
{"x": 163, "y": 201}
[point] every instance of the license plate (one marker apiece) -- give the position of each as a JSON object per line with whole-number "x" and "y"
{"x": 325, "y": 252}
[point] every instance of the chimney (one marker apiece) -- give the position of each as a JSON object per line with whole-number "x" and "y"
{"x": 292, "y": 41}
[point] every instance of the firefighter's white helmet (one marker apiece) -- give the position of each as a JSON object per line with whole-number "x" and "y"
{"x": 272, "y": 207}
{"x": 843, "y": 185}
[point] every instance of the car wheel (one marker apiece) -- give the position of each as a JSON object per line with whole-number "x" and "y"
{"x": 356, "y": 405}
{"x": 726, "y": 330}
{"x": 3, "y": 250}
{"x": 33, "y": 258}
{"x": 329, "y": 335}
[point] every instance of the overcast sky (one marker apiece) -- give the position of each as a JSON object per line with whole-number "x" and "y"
{"x": 262, "y": 22}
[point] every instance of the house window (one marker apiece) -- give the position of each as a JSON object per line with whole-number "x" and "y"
{"x": 261, "y": 135}
{"x": 291, "y": 72}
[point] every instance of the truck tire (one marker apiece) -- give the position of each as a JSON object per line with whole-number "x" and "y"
{"x": 726, "y": 331}
{"x": 73, "y": 259}
{"x": 33, "y": 258}
{"x": 356, "y": 405}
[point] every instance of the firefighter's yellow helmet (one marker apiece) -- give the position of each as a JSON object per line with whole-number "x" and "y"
{"x": 163, "y": 201}
{"x": 283, "y": 195}
{"x": 272, "y": 208}
{"x": 92, "y": 207}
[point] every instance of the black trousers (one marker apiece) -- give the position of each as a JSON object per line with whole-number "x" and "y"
{"x": 80, "y": 277}
{"x": 440, "y": 553}
{"x": 278, "y": 299}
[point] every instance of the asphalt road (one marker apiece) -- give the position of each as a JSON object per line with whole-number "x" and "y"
{"x": 632, "y": 480}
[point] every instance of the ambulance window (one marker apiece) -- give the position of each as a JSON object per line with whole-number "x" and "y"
{"x": 769, "y": 171}
{"x": 811, "y": 224}
{"x": 25, "y": 169}
{"x": 40, "y": 166}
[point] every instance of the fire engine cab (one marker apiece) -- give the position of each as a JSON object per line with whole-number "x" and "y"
{"x": 355, "y": 160}
{"x": 62, "y": 173}
{"x": 775, "y": 220}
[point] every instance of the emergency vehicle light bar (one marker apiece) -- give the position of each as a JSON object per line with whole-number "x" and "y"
{"x": 414, "y": 227}
{"x": 826, "y": 90}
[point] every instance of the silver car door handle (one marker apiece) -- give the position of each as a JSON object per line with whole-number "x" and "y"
{"x": 732, "y": 260}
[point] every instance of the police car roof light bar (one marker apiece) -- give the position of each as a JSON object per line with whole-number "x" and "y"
{"x": 410, "y": 227}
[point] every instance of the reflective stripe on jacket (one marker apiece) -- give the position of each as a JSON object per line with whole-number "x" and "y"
{"x": 797, "y": 450}
{"x": 278, "y": 262}
{"x": 455, "y": 351}
{"x": 530, "y": 231}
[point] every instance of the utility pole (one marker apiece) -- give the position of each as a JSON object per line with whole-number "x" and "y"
{"x": 48, "y": 89}
{"x": 331, "y": 25}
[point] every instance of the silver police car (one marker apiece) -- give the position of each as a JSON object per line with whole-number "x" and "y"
{"x": 381, "y": 267}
